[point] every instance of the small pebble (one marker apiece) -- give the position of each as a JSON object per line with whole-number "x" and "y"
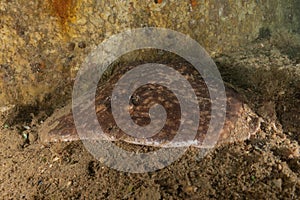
{"x": 55, "y": 159}
{"x": 279, "y": 166}
{"x": 40, "y": 182}
{"x": 192, "y": 174}
{"x": 26, "y": 127}
{"x": 25, "y": 136}
{"x": 69, "y": 183}
{"x": 81, "y": 45}
{"x": 278, "y": 183}
{"x": 32, "y": 137}
{"x": 71, "y": 46}
{"x": 189, "y": 189}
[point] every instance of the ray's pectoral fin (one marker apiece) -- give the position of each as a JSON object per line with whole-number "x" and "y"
{"x": 240, "y": 121}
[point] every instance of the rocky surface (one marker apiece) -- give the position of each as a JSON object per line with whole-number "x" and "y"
{"x": 43, "y": 43}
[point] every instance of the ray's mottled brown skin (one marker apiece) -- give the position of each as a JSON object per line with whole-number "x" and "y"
{"x": 239, "y": 124}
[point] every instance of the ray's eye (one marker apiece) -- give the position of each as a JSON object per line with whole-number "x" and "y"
{"x": 135, "y": 99}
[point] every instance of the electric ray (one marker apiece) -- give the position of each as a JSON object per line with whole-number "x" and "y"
{"x": 239, "y": 124}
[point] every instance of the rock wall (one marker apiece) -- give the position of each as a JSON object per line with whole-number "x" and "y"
{"x": 296, "y": 16}
{"x": 44, "y": 42}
